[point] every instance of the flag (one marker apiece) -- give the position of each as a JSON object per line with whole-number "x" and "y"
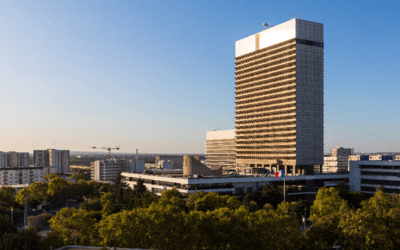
{"x": 280, "y": 173}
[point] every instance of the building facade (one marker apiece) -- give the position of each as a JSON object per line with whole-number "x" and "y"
{"x": 106, "y": 170}
{"x": 338, "y": 160}
{"x": 17, "y": 176}
{"x": 3, "y": 159}
{"x": 221, "y": 148}
{"x": 365, "y": 176}
{"x": 280, "y": 97}
{"x": 52, "y": 158}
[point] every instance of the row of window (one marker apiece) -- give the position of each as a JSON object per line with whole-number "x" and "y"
{"x": 380, "y": 173}
{"x": 307, "y": 42}
{"x": 380, "y": 182}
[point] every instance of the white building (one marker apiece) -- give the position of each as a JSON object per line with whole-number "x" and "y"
{"x": 338, "y": 160}
{"x": 106, "y": 170}
{"x": 365, "y": 176}
{"x": 231, "y": 184}
{"x": 17, "y": 176}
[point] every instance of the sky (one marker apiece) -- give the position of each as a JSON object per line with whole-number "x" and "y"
{"x": 157, "y": 75}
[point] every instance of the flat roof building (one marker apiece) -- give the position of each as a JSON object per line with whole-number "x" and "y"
{"x": 280, "y": 96}
{"x": 365, "y": 176}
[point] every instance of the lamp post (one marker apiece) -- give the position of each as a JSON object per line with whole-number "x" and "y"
{"x": 12, "y": 219}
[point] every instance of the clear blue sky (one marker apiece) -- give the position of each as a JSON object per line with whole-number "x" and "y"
{"x": 156, "y": 75}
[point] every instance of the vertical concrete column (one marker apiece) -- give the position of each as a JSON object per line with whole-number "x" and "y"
{"x": 286, "y": 168}
{"x": 270, "y": 169}
{"x": 320, "y": 169}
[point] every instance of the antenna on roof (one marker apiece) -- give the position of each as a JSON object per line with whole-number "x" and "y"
{"x": 300, "y": 15}
{"x": 266, "y": 25}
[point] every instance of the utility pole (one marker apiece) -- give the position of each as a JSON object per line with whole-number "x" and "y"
{"x": 25, "y": 212}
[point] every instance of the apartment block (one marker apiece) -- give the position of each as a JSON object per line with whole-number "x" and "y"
{"x": 17, "y": 159}
{"x": 221, "y": 148}
{"x": 3, "y": 159}
{"x": 280, "y": 97}
{"x": 53, "y": 158}
{"x": 17, "y": 176}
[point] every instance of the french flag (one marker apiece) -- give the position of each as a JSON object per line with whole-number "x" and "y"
{"x": 280, "y": 173}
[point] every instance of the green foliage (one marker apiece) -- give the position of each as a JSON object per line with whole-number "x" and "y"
{"x": 53, "y": 239}
{"x": 326, "y": 203}
{"x": 39, "y": 221}
{"x": 161, "y": 227}
{"x": 7, "y": 196}
{"x": 27, "y": 239}
{"x": 21, "y": 195}
{"x": 49, "y": 177}
{"x": 91, "y": 205}
{"x": 202, "y": 201}
{"x": 107, "y": 200}
{"x": 375, "y": 226}
{"x": 75, "y": 227}
{"x": 37, "y": 193}
{"x": 78, "y": 177}
{"x": 5, "y": 225}
{"x": 59, "y": 189}
{"x": 324, "y": 233}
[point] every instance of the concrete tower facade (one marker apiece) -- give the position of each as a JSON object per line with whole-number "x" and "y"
{"x": 280, "y": 98}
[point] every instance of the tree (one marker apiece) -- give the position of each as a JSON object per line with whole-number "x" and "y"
{"x": 38, "y": 193}
{"x": 107, "y": 201}
{"x": 172, "y": 198}
{"x": 210, "y": 201}
{"x": 21, "y": 195}
{"x": 91, "y": 205}
{"x": 82, "y": 188}
{"x": 27, "y": 239}
{"x": 7, "y": 196}
{"x": 324, "y": 233}
{"x": 50, "y": 176}
{"x": 326, "y": 203}
{"x": 78, "y": 177}
{"x": 75, "y": 227}
{"x": 375, "y": 226}
{"x": 58, "y": 189}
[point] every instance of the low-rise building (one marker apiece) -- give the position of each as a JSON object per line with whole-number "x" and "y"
{"x": 306, "y": 186}
{"x": 365, "y": 176}
{"x": 337, "y": 160}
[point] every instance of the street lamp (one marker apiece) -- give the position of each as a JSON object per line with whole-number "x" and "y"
{"x": 12, "y": 222}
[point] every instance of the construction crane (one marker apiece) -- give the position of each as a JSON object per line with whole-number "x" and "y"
{"x": 108, "y": 148}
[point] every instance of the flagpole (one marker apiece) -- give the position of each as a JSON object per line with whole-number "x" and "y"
{"x": 284, "y": 191}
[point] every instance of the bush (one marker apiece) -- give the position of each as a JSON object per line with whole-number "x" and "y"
{"x": 39, "y": 221}
{"x": 91, "y": 205}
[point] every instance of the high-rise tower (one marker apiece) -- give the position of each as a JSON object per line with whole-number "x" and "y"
{"x": 280, "y": 97}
